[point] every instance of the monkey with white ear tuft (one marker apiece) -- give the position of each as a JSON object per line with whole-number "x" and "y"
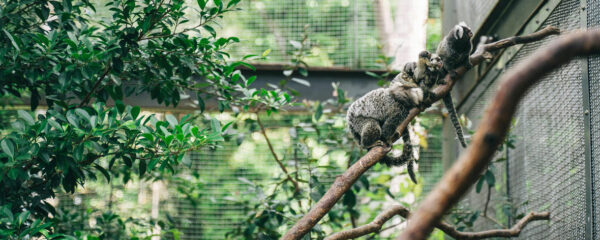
{"x": 454, "y": 50}
{"x": 455, "y": 47}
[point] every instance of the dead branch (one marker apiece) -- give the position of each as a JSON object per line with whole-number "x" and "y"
{"x": 386, "y": 215}
{"x": 494, "y": 127}
{"x": 373, "y": 226}
{"x": 345, "y": 181}
{"x": 288, "y": 176}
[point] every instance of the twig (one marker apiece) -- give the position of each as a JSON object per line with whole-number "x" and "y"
{"x": 487, "y": 201}
{"x": 89, "y": 95}
{"x": 494, "y": 126}
{"x": 264, "y": 133}
{"x": 345, "y": 181}
{"x": 377, "y": 223}
{"x": 373, "y": 226}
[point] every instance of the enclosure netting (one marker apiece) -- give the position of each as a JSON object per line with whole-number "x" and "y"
{"x": 593, "y": 21}
{"x": 342, "y": 33}
{"x": 222, "y": 176}
{"x": 473, "y": 12}
{"x": 546, "y": 169}
{"x": 215, "y": 214}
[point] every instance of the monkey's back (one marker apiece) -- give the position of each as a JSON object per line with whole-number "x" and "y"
{"x": 377, "y": 104}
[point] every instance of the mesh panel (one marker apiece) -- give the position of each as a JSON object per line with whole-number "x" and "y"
{"x": 431, "y": 167}
{"x": 343, "y": 31}
{"x": 546, "y": 169}
{"x": 214, "y": 215}
{"x": 466, "y": 9}
{"x": 593, "y": 20}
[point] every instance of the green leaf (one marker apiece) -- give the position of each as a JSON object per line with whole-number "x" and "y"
{"x": 266, "y": 52}
{"x": 211, "y": 30}
{"x": 12, "y": 40}
{"x": 142, "y": 167}
{"x": 215, "y": 125}
{"x": 120, "y": 106}
{"x": 250, "y": 80}
{"x": 23, "y": 217}
{"x": 172, "y": 120}
{"x": 349, "y": 199}
{"x": 226, "y": 126}
{"x": 82, "y": 113}
{"x": 103, "y": 171}
{"x": 372, "y": 74}
{"x": 201, "y": 3}
{"x": 218, "y": 2}
{"x": 8, "y": 147}
{"x": 318, "y": 112}
{"x": 152, "y": 163}
{"x": 479, "y": 185}
{"x": 26, "y": 116}
{"x": 490, "y": 178}
{"x": 135, "y": 111}
{"x": 301, "y": 81}
{"x": 235, "y": 64}
{"x": 201, "y": 103}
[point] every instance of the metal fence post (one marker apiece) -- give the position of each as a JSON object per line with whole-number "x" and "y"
{"x": 589, "y": 210}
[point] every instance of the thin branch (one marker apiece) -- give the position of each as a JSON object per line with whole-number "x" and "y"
{"x": 494, "y": 126}
{"x": 373, "y": 226}
{"x": 487, "y": 201}
{"x": 89, "y": 95}
{"x": 382, "y": 218}
{"x": 345, "y": 181}
{"x": 264, "y": 133}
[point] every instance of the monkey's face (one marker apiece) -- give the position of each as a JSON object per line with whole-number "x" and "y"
{"x": 424, "y": 58}
{"x": 462, "y": 32}
{"x": 435, "y": 63}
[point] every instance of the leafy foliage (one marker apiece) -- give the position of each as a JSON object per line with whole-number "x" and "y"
{"x": 83, "y": 69}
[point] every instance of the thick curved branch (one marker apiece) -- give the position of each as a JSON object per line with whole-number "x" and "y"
{"x": 345, "y": 181}
{"x": 494, "y": 127}
{"x": 450, "y": 230}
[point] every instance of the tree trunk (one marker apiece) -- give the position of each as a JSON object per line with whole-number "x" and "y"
{"x": 403, "y": 37}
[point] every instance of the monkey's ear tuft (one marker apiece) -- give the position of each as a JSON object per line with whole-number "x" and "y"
{"x": 458, "y": 32}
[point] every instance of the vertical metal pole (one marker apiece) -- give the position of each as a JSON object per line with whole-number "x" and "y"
{"x": 509, "y": 218}
{"x": 589, "y": 210}
{"x": 355, "y": 61}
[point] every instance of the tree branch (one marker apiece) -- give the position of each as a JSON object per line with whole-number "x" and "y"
{"x": 264, "y": 133}
{"x": 386, "y": 215}
{"x": 345, "y": 181}
{"x": 494, "y": 127}
{"x": 87, "y": 97}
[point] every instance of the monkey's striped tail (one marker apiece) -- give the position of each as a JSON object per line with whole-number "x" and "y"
{"x": 454, "y": 118}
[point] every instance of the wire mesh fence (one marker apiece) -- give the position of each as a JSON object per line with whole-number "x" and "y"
{"x": 546, "y": 169}
{"x": 199, "y": 201}
{"x": 593, "y": 21}
{"x": 342, "y": 33}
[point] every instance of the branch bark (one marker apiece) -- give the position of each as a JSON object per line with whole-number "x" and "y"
{"x": 450, "y": 230}
{"x": 494, "y": 126}
{"x": 345, "y": 181}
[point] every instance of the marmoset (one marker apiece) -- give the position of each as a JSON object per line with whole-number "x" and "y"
{"x": 454, "y": 51}
{"x": 373, "y": 119}
{"x": 455, "y": 47}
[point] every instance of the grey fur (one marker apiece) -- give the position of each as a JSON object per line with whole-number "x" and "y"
{"x": 455, "y": 47}
{"x": 373, "y": 118}
{"x": 454, "y": 51}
